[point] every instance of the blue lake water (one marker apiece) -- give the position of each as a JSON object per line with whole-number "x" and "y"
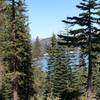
{"x": 45, "y": 58}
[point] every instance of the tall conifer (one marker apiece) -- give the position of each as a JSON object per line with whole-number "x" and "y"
{"x": 59, "y": 70}
{"x": 16, "y": 50}
{"x": 86, "y": 35}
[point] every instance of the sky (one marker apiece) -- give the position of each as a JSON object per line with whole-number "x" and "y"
{"x": 45, "y": 16}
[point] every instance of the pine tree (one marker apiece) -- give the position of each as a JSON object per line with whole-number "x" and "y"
{"x": 61, "y": 74}
{"x": 96, "y": 81}
{"x": 5, "y": 92}
{"x": 80, "y": 75}
{"x": 37, "y": 48}
{"x": 58, "y": 71}
{"x": 17, "y": 55}
{"x": 87, "y": 35}
{"x": 39, "y": 81}
{"x": 39, "y": 74}
{"x": 1, "y": 25}
{"x": 24, "y": 51}
{"x": 50, "y": 73}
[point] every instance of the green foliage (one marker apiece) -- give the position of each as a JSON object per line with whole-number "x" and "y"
{"x": 36, "y": 50}
{"x": 16, "y": 50}
{"x": 59, "y": 75}
{"x": 38, "y": 73}
{"x": 39, "y": 80}
{"x": 96, "y": 81}
{"x": 86, "y": 36}
{"x": 64, "y": 80}
{"x": 6, "y": 87}
{"x": 82, "y": 73}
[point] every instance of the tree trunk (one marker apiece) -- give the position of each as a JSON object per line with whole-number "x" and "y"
{"x": 14, "y": 58}
{"x": 89, "y": 88}
{"x": 15, "y": 94}
{"x": 89, "y": 80}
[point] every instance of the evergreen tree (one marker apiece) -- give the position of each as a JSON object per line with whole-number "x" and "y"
{"x": 39, "y": 81}
{"x": 96, "y": 81}
{"x": 39, "y": 74}
{"x": 87, "y": 35}
{"x": 61, "y": 74}
{"x": 5, "y": 91}
{"x": 58, "y": 71}
{"x": 17, "y": 55}
{"x": 50, "y": 73}
{"x": 37, "y": 48}
{"x": 80, "y": 76}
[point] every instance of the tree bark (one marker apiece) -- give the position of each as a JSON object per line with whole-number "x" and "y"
{"x": 15, "y": 93}
{"x": 14, "y": 59}
{"x": 89, "y": 80}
